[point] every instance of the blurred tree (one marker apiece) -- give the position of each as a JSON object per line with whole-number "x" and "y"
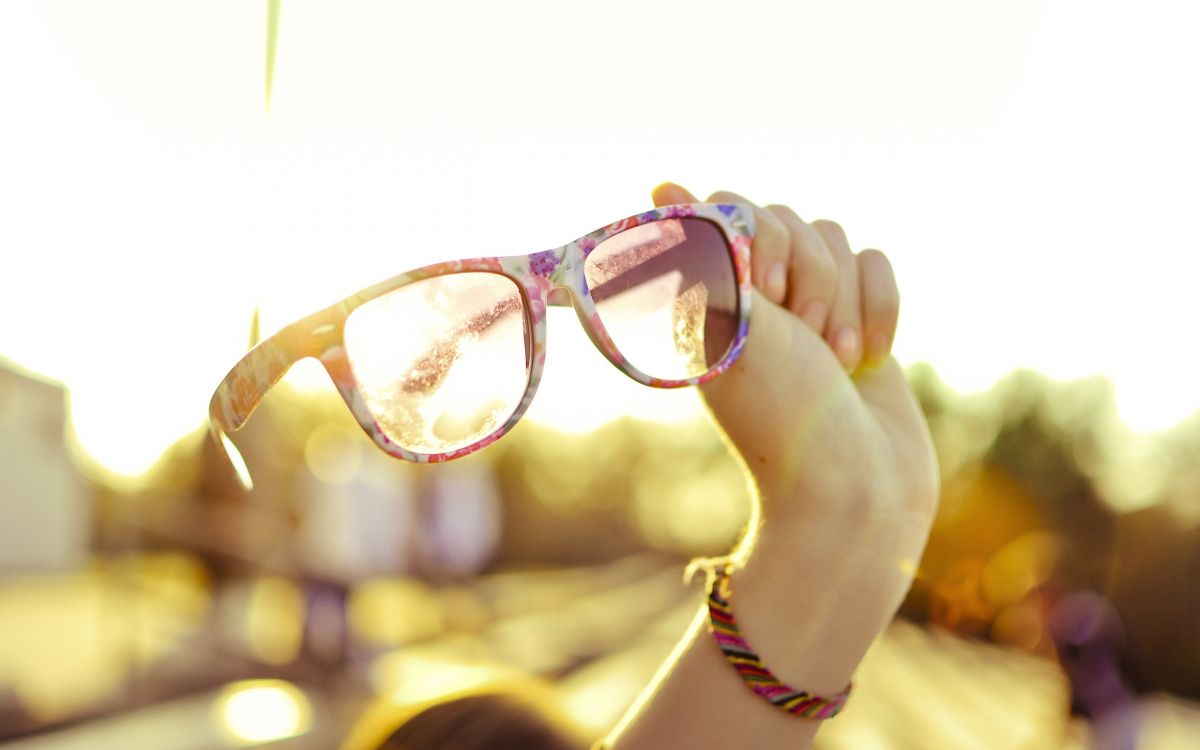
{"x": 1156, "y": 587}
{"x": 1027, "y": 456}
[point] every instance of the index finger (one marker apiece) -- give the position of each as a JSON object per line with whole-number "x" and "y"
{"x": 769, "y": 254}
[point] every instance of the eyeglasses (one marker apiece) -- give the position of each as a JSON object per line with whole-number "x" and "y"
{"x": 441, "y": 361}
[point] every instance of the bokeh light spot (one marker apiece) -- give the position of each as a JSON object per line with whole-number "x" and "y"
{"x": 258, "y": 711}
{"x": 333, "y": 453}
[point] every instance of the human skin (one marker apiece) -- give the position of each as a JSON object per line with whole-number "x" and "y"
{"x": 847, "y": 486}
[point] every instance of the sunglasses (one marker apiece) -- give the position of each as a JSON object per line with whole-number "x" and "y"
{"x": 441, "y": 361}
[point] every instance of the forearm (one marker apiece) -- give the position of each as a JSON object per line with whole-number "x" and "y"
{"x": 702, "y": 702}
{"x": 810, "y": 598}
{"x": 848, "y": 484}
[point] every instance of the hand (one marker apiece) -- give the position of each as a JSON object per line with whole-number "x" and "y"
{"x": 846, "y": 477}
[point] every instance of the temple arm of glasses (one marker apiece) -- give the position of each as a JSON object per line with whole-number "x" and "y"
{"x": 240, "y": 393}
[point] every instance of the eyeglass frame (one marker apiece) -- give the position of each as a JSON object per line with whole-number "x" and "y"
{"x": 536, "y": 276}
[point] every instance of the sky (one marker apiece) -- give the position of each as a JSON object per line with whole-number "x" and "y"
{"x": 1030, "y": 168}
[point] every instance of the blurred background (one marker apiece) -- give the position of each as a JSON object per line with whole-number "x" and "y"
{"x": 177, "y": 179}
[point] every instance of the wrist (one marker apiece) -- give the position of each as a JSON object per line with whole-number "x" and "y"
{"x": 800, "y": 606}
{"x": 822, "y": 579}
{"x": 748, "y": 663}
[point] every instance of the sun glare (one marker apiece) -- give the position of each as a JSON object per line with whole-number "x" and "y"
{"x": 152, "y": 208}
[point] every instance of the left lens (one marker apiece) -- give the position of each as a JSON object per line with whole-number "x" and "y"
{"x": 667, "y": 294}
{"x": 441, "y": 362}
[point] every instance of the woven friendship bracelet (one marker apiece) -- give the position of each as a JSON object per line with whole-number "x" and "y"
{"x": 750, "y": 666}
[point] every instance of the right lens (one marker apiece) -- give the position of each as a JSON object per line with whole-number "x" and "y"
{"x": 441, "y": 362}
{"x": 667, "y": 294}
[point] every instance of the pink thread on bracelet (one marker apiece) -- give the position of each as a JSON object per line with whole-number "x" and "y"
{"x": 749, "y": 665}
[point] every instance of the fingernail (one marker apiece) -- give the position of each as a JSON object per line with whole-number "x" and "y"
{"x": 776, "y": 283}
{"x": 814, "y": 314}
{"x": 845, "y": 345}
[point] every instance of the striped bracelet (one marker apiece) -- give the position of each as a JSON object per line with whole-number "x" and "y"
{"x": 750, "y": 666}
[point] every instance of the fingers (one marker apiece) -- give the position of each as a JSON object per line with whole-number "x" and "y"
{"x": 812, "y": 274}
{"x": 771, "y": 256}
{"x": 808, "y": 268}
{"x": 771, "y": 253}
{"x": 669, "y": 193}
{"x": 880, "y": 305}
{"x": 843, "y": 330}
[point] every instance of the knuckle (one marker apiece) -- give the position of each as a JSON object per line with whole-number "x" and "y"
{"x": 835, "y": 240}
{"x": 882, "y": 309}
{"x": 877, "y": 275}
{"x": 783, "y": 212}
{"x": 820, "y": 261}
{"x": 818, "y": 268}
{"x": 829, "y": 228}
{"x": 875, "y": 259}
{"x": 772, "y": 235}
{"x": 725, "y": 196}
{"x": 887, "y": 308}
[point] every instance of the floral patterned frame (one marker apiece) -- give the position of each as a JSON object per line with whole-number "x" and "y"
{"x": 320, "y": 335}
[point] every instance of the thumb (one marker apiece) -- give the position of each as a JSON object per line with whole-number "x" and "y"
{"x": 669, "y": 193}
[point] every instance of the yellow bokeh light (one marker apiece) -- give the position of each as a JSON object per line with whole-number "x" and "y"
{"x": 693, "y": 509}
{"x": 275, "y": 620}
{"x": 333, "y": 453}
{"x": 412, "y": 676}
{"x": 257, "y": 711}
{"x": 393, "y": 611}
{"x": 1018, "y": 567}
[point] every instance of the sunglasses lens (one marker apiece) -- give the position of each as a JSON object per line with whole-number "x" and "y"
{"x": 441, "y": 362}
{"x": 667, "y": 294}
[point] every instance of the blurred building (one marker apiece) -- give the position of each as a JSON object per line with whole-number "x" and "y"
{"x": 45, "y": 502}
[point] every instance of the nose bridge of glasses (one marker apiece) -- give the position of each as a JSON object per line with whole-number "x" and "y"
{"x": 565, "y": 281}
{"x": 559, "y": 297}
